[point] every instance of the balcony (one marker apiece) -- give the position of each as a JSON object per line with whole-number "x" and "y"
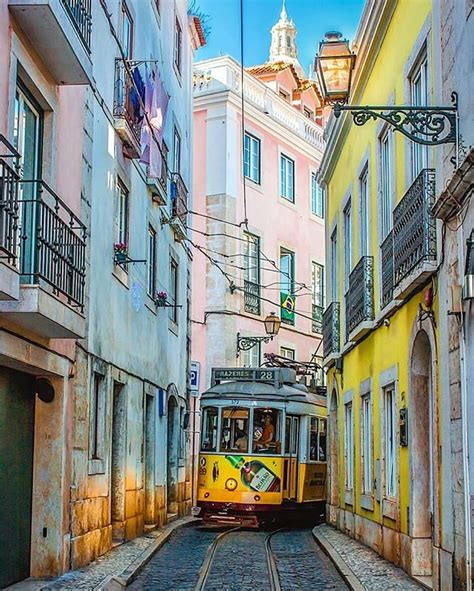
{"x": 317, "y": 318}
{"x": 60, "y": 31}
{"x": 360, "y": 300}
{"x": 331, "y": 332}
{"x": 251, "y": 297}
{"x": 127, "y": 118}
{"x": 50, "y": 256}
{"x": 9, "y": 178}
{"x": 179, "y": 206}
{"x": 158, "y": 187}
{"x": 414, "y": 236}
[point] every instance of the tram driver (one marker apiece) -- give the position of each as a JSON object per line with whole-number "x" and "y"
{"x": 264, "y": 437}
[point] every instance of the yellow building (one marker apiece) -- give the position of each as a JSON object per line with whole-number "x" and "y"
{"x": 380, "y": 334}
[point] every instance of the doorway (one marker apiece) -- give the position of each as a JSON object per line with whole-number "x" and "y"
{"x": 119, "y": 435}
{"x": 17, "y": 419}
{"x": 149, "y": 460}
{"x": 421, "y": 454}
{"x": 333, "y": 452}
{"x": 172, "y": 458}
{"x": 290, "y": 468}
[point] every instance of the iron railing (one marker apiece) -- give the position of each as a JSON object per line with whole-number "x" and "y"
{"x": 414, "y": 229}
{"x": 179, "y": 197}
{"x": 331, "y": 329}
{"x": 251, "y": 297}
{"x": 52, "y": 242}
{"x": 317, "y": 318}
{"x": 9, "y": 178}
{"x": 360, "y": 297}
{"x": 386, "y": 249}
{"x": 80, "y": 13}
{"x": 124, "y": 106}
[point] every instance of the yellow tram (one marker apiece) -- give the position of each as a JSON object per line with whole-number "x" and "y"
{"x": 263, "y": 446}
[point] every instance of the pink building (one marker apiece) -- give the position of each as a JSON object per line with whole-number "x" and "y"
{"x": 256, "y": 159}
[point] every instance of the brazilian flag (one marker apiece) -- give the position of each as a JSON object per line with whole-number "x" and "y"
{"x": 288, "y": 305}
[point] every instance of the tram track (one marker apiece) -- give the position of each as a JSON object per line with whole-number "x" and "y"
{"x": 209, "y": 560}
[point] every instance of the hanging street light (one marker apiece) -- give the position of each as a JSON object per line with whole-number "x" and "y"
{"x": 272, "y": 325}
{"x": 425, "y": 125}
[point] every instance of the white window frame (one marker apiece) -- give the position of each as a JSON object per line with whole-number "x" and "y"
{"x": 317, "y": 286}
{"x": 366, "y": 443}
{"x": 174, "y": 289}
{"x": 349, "y": 445}
{"x": 386, "y": 166}
{"x": 287, "y": 178}
{"x": 176, "y": 150}
{"x": 390, "y": 441}
{"x": 178, "y": 45}
{"x": 122, "y": 212}
{"x": 334, "y": 264}
{"x": 317, "y": 196}
{"x": 364, "y": 211}
{"x": 288, "y": 353}
{"x": 251, "y": 357}
{"x": 418, "y": 87}
{"x": 252, "y": 159}
{"x": 347, "y": 229}
{"x": 151, "y": 278}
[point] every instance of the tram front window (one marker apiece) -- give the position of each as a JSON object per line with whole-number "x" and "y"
{"x": 235, "y": 429}
{"x": 317, "y": 440}
{"x": 266, "y": 431}
{"x": 209, "y": 429}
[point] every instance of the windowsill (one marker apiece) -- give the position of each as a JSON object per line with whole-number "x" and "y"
{"x": 367, "y": 501}
{"x": 121, "y": 275}
{"x": 150, "y": 304}
{"x": 178, "y": 73}
{"x": 173, "y": 327}
{"x": 96, "y": 467}
{"x": 253, "y": 184}
{"x": 390, "y": 508}
{"x": 287, "y": 202}
{"x": 316, "y": 218}
{"x": 349, "y": 497}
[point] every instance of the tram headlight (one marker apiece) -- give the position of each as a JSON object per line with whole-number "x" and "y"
{"x": 257, "y": 497}
{"x": 231, "y": 484}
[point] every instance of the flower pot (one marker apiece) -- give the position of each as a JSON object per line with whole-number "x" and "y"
{"x": 160, "y": 302}
{"x": 120, "y": 257}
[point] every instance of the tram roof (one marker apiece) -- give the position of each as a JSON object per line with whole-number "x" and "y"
{"x": 262, "y": 383}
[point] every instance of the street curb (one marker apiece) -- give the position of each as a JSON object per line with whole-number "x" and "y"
{"x": 342, "y": 567}
{"x": 119, "y": 582}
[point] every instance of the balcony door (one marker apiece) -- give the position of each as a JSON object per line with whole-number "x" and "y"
{"x": 27, "y": 135}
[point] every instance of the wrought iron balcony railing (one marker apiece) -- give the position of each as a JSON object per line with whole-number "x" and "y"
{"x": 317, "y": 318}
{"x": 9, "y": 205}
{"x": 80, "y": 12}
{"x": 331, "y": 329}
{"x": 52, "y": 242}
{"x": 414, "y": 229}
{"x": 251, "y": 297}
{"x": 179, "y": 197}
{"x": 360, "y": 297}
{"x": 387, "y": 269}
{"x": 125, "y": 107}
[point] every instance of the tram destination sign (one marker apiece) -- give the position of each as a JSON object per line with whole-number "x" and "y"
{"x": 245, "y": 374}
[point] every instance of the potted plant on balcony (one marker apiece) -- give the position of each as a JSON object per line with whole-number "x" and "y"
{"x": 120, "y": 252}
{"x": 161, "y": 299}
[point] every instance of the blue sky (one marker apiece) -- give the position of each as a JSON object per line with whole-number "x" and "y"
{"x": 312, "y": 18}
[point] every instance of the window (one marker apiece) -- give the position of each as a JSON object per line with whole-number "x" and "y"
{"x": 319, "y": 374}
{"x": 419, "y": 97}
{"x": 178, "y": 41}
{"x": 151, "y": 261}
{"x": 97, "y": 418}
{"x": 252, "y": 158}
{"x": 317, "y": 283}
{"x": 158, "y": 6}
{"x": 173, "y": 294}
{"x": 209, "y": 429}
{"x": 308, "y": 113}
{"x": 334, "y": 295}
{"x": 347, "y": 243}
{"x": 235, "y": 429}
{"x": 366, "y": 443}
{"x": 251, "y": 273}
{"x": 251, "y": 357}
{"x": 287, "y": 180}
{"x": 176, "y": 151}
{"x": 349, "y": 445}
{"x": 127, "y": 32}
{"x": 287, "y": 353}
{"x": 386, "y": 166}
{"x": 390, "y": 425}
{"x": 266, "y": 431}
{"x": 317, "y": 439}
{"x": 364, "y": 205}
{"x": 122, "y": 213}
{"x": 284, "y": 95}
{"x": 317, "y": 207}
{"x": 287, "y": 285}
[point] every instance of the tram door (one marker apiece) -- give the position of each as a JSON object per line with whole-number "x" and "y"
{"x": 290, "y": 474}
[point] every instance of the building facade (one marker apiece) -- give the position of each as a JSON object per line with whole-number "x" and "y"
{"x": 94, "y": 361}
{"x": 392, "y": 449}
{"x": 260, "y": 220}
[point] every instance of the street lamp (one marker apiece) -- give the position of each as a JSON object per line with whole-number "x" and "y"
{"x": 425, "y": 125}
{"x": 272, "y": 327}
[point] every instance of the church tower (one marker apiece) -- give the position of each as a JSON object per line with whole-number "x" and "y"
{"x": 283, "y": 46}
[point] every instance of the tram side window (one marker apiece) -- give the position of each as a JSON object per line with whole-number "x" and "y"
{"x": 317, "y": 440}
{"x": 209, "y": 429}
{"x": 266, "y": 431}
{"x": 235, "y": 429}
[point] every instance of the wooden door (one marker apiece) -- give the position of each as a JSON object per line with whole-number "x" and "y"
{"x": 290, "y": 467}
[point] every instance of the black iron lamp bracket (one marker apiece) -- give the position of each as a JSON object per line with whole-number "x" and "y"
{"x": 430, "y": 126}
{"x": 247, "y": 343}
{"x": 127, "y": 261}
